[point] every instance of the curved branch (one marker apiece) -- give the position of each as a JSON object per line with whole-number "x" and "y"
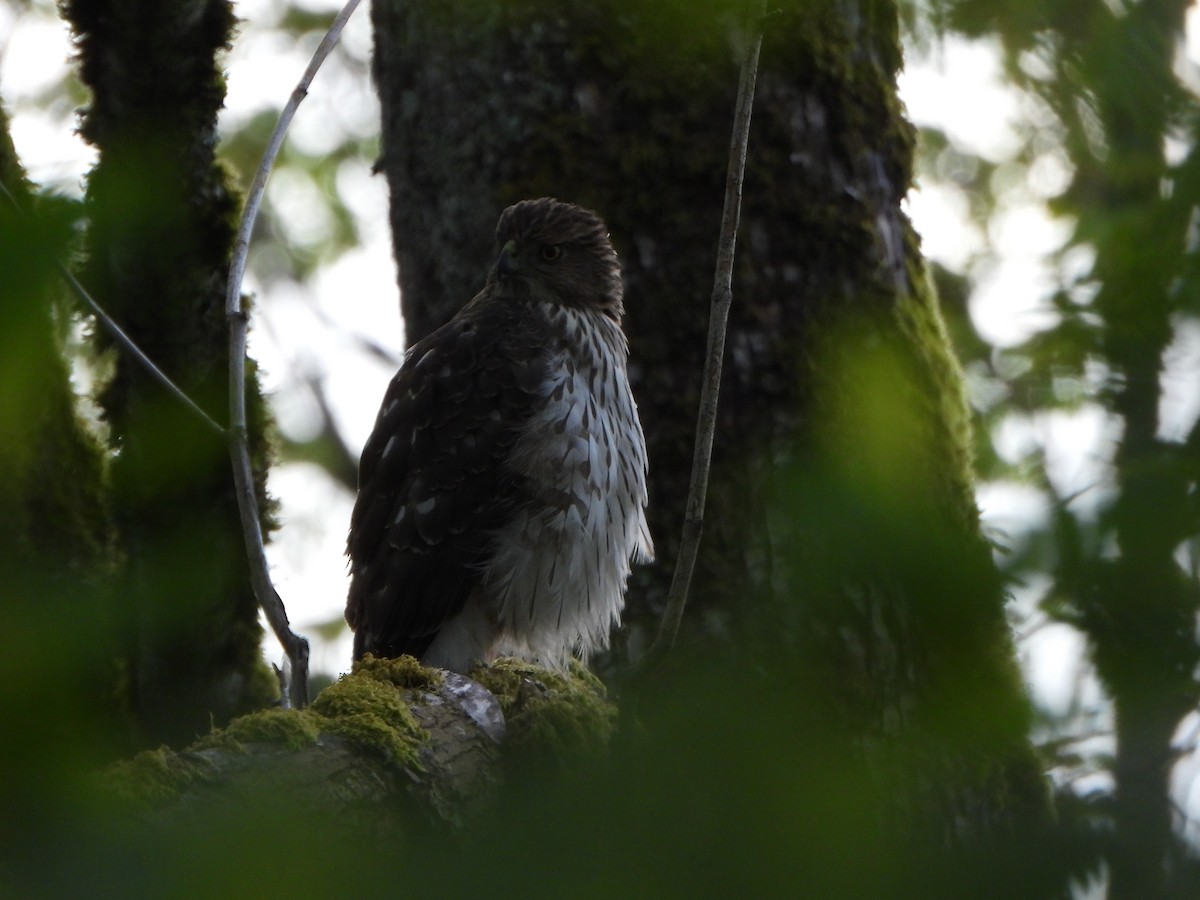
{"x": 296, "y": 684}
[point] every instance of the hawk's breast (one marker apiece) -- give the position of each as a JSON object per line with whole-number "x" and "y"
{"x": 556, "y": 581}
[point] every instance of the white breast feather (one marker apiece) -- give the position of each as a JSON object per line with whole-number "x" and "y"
{"x": 556, "y": 583}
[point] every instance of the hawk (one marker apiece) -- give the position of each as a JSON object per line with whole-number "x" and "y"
{"x": 502, "y": 493}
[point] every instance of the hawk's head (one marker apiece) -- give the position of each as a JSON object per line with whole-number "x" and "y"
{"x": 558, "y": 252}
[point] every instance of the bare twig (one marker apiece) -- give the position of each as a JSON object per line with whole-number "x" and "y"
{"x": 722, "y": 299}
{"x": 296, "y": 647}
{"x": 118, "y": 334}
{"x": 233, "y": 296}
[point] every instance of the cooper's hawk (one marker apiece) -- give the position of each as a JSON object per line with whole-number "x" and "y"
{"x": 502, "y": 494}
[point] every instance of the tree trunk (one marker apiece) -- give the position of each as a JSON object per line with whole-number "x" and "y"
{"x": 161, "y": 230}
{"x": 842, "y": 548}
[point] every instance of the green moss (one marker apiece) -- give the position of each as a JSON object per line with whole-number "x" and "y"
{"x": 890, "y": 411}
{"x": 152, "y": 778}
{"x": 550, "y": 715}
{"x": 367, "y": 708}
{"x": 403, "y": 671}
{"x": 289, "y": 728}
{"x": 919, "y": 319}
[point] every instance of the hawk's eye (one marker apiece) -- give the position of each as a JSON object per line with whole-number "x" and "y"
{"x": 551, "y": 252}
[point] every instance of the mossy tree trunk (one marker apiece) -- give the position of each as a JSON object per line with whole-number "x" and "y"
{"x": 161, "y": 221}
{"x": 842, "y": 551}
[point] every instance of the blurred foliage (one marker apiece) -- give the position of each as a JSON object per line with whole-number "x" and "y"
{"x": 56, "y": 542}
{"x": 1108, "y": 100}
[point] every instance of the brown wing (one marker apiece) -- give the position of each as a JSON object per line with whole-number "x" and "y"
{"x": 432, "y": 486}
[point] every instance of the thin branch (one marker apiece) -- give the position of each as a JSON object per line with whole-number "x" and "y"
{"x": 722, "y": 300}
{"x": 119, "y": 335}
{"x": 295, "y": 694}
{"x": 233, "y": 296}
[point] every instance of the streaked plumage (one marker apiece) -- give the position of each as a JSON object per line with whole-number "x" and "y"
{"x": 502, "y": 493}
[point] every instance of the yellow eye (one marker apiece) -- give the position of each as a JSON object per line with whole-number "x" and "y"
{"x": 551, "y": 252}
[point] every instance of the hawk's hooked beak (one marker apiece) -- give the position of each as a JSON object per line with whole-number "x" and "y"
{"x": 508, "y": 261}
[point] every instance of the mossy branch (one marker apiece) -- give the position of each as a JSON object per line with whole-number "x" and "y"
{"x": 722, "y": 300}
{"x": 296, "y": 647}
{"x": 394, "y": 743}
